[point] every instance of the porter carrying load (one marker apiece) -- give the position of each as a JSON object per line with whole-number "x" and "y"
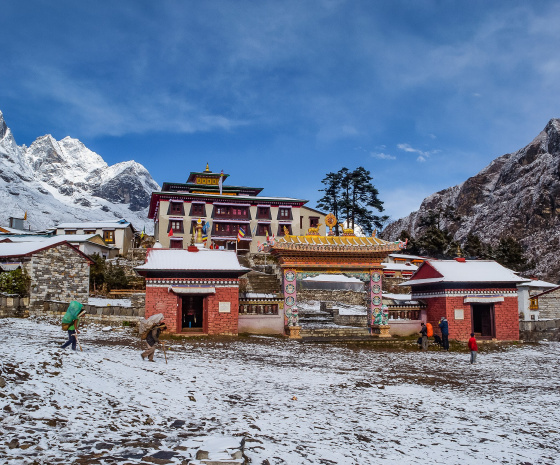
{"x": 145, "y": 325}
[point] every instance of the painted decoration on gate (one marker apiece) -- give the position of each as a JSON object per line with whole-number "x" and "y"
{"x": 291, "y": 317}
{"x": 375, "y": 315}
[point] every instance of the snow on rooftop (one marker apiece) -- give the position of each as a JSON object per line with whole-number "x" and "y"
{"x": 338, "y": 278}
{"x": 61, "y": 237}
{"x": 404, "y": 297}
{"x": 101, "y": 224}
{"x": 16, "y": 249}
{"x": 399, "y": 267}
{"x": 180, "y": 259}
{"x": 538, "y": 283}
{"x": 468, "y": 271}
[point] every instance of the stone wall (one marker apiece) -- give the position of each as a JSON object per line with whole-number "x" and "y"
{"x": 345, "y": 297}
{"x": 13, "y": 306}
{"x": 532, "y": 331}
{"x": 105, "y": 315}
{"x": 549, "y": 305}
{"x": 58, "y": 273}
{"x": 391, "y": 284}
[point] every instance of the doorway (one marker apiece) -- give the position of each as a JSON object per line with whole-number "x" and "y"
{"x": 483, "y": 320}
{"x": 192, "y": 312}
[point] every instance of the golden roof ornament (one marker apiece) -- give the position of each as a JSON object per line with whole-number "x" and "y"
{"x": 330, "y": 221}
{"x": 207, "y": 170}
{"x": 314, "y": 231}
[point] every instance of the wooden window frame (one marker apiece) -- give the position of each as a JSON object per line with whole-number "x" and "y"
{"x": 282, "y": 217}
{"x": 176, "y": 222}
{"x": 195, "y": 206}
{"x": 109, "y": 237}
{"x": 176, "y": 208}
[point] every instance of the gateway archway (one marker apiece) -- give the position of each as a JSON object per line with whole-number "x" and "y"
{"x": 311, "y": 255}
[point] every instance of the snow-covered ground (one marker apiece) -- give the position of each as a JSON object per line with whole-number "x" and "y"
{"x": 294, "y": 403}
{"x": 102, "y": 302}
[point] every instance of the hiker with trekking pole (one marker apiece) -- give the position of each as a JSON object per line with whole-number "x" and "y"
{"x": 150, "y": 330}
{"x": 70, "y": 323}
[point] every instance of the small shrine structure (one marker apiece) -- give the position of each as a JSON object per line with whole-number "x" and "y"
{"x": 196, "y": 289}
{"x": 476, "y": 296}
{"x": 304, "y": 256}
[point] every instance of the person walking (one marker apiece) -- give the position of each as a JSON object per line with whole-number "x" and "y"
{"x": 73, "y": 331}
{"x": 473, "y": 347}
{"x": 424, "y": 333}
{"x": 444, "y": 327}
{"x": 151, "y": 340}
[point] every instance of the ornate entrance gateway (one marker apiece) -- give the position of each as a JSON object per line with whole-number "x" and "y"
{"x": 311, "y": 255}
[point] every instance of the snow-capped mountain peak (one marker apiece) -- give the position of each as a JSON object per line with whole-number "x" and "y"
{"x": 63, "y": 181}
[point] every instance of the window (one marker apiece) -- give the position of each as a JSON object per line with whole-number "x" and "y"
{"x": 231, "y": 212}
{"x": 198, "y": 209}
{"x": 176, "y": 208}
{"x": 534, "y": 303}
{"x": 284, "y": 213}
{"x": 263, "y": 229}
{"x": 176, "y": 244}
{"x": 176, "y": 225}
{"x": 109, "y": 237}
{"x": 281, "y": 229}
{"x": 89, "y": 231}
{"x": 69, "y": 231}
{"x": 263, "y": 213}
{"x": 313, "y": 221}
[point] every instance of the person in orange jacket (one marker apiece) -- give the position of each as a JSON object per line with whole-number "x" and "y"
{"x": 473, "y": 347}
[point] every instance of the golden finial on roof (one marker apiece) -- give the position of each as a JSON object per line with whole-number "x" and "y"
{"x": 207, "y": 170}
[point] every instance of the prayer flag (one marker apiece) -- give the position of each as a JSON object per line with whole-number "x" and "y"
{"x": 143, "y": 233}
{"x": 220, "y": 181}
{"x": 240, "y": 234}
{"x": 25, "y": 217}
{"x": 170, "y": 233}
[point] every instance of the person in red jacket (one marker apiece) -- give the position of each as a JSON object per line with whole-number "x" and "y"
{"x": 473, "y": 348}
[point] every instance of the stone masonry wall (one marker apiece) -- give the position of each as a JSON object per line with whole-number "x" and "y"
{"x": 58, "y": 273}
{"x": 13, "y": 306}
{"x": 102, "y": 315}
{"x": 326, "y": 295}
{"x": 549, "y": 305}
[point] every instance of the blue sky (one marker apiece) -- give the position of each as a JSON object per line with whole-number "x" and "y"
{"x": 422, "y": 93}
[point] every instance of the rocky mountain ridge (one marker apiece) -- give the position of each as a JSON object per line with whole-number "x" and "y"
{"x": 63, "y": 181}
{"x": 517, "y": 194}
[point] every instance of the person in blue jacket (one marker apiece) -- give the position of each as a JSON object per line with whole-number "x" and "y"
{"x": 444, "y": 326}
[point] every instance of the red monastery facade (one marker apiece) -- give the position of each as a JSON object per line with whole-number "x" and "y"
{"x": 476, "y": 296}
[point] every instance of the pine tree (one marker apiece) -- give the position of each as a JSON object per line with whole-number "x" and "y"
{"x": 509, "y": 253}
{"x": 331, "y": 201}
{"x": 351, "y": 194}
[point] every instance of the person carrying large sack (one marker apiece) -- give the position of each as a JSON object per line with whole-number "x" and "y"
{"x": 149, "y": 330}
{"x": 70, "y": 323}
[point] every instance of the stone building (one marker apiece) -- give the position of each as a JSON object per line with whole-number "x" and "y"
{"x": 58, "y": 271}
{"x": 547, "y": 304}
{"x": 476, "y": 296}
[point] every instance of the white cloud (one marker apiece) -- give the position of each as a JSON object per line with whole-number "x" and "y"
{"x": 422, "y": 154}
{"x": 382, "y": 156}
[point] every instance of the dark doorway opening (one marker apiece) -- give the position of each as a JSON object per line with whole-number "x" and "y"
{"x": 192, "y": 313}
{"x": 483, "y": 320}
